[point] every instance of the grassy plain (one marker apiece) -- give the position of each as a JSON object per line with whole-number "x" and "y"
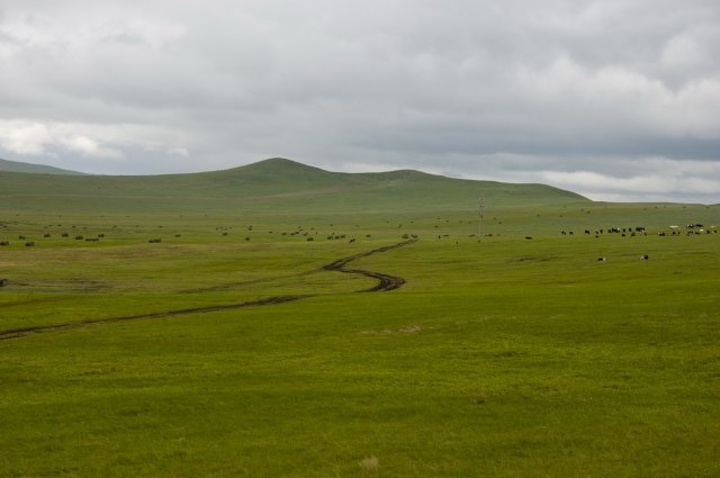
{"x": 501, "y": 355}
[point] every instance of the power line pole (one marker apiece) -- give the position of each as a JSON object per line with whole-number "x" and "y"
{"x": 481, "y": 215}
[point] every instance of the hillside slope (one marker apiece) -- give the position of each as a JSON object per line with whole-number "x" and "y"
{"x": 271, "y": 184}
{"x": 19, "y": 167}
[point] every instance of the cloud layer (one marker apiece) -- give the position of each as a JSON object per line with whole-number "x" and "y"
{"x": 613, "y": 99}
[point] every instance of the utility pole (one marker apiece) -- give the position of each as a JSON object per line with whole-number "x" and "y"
{"x": 481, "y": 215}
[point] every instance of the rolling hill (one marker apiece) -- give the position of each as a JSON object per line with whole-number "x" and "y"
{"x": 19, "y": 167}
{"x": 272, "y": 184}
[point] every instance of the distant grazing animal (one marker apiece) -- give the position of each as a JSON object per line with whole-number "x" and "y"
{"x": 4, "y": 243}
{"x": 528, "y": 237}
{"x": 601, "y": 259}
{"x": 29, "y": 244}
{"x": 79, "y": 238}
{"x": 46, "y": 235}
{"x": 644, "y": 257}
{"x": 155, "y": 241}
{"x": 4, "y": 282}
{"x": 21, "y": 238}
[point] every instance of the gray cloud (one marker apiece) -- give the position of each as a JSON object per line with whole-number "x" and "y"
{"x": 613, "y": 99}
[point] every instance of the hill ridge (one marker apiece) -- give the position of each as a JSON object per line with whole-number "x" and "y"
{"x": 31, "y": 168}
{"x": 280, "y": 182}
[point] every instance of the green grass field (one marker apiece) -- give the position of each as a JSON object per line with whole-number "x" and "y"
{"x": 500, "y": 355}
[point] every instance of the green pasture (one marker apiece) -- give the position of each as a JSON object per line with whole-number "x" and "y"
{"x": 510, "y": 351}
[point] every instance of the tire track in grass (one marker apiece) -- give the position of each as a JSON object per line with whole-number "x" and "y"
{"x": 386, "y": 282}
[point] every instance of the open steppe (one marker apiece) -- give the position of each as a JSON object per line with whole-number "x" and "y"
{"x": 289, "y": 321}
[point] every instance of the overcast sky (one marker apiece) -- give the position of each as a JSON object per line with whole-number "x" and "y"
{"x": 614, "y": 99}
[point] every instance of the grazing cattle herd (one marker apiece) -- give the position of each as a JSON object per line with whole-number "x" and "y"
{"x": 631, "y": 231}
{"x": 690, "y": 229}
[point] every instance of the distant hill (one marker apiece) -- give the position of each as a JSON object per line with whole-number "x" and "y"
{"x": 274, "y": 185}
{"x": 18, "y": 167}
{"x": 280, "y": 175}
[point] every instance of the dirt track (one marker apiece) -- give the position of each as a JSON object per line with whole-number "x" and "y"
{"x": 386, "y": 282}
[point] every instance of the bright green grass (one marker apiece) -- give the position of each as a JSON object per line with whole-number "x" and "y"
{"x": 501, "y": 356}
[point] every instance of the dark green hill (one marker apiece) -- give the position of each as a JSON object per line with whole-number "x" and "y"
{"x": 269, "y": 185}
{"x": 18, "y": 167}
{"x": 286, "y": 177}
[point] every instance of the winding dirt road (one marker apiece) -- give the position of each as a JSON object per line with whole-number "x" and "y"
{"x": 386, "y": 282}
